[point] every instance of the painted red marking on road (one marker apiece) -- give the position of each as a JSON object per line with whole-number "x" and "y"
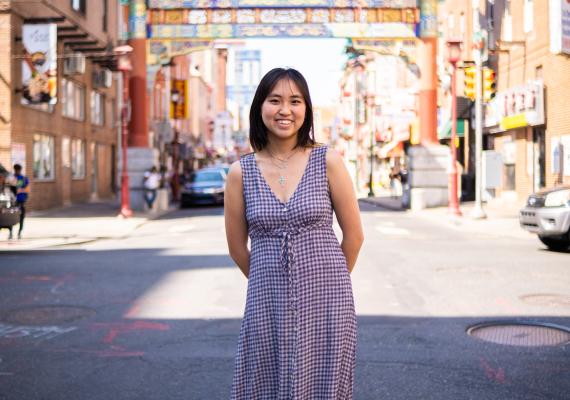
{"x": 37, "y": 278}
{"x": 497, "y": 375}
{"x": 117, "y": 328}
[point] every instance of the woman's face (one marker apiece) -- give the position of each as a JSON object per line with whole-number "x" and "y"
{"x": 283, "y": 111}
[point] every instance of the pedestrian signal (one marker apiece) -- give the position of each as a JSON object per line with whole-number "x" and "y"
{"x": 469, "y": 82}
{"x": 489, "y": 85}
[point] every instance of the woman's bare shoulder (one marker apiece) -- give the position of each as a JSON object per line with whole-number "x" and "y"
{"x": 235, "y": 170}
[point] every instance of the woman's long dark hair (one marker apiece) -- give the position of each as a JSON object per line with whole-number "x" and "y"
{"x": 258, "y": 130}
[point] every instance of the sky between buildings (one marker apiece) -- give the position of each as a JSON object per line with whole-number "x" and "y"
{"x": 319, "y": 60}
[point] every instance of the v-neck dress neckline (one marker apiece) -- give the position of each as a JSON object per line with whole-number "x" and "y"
{"x": 273, "y": 194}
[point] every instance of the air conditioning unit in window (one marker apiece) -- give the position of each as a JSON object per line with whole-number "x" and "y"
{"x": 74, "y": 64}
{"x": 102, "y": 79}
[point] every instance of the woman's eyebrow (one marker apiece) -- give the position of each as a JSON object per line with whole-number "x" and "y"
{"x": 292, "y": 96}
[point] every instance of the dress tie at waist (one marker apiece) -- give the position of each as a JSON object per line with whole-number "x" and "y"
{"x": 288, "y": 235}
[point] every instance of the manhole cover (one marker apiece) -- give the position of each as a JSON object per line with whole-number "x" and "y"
{"x": 47, "y": 315}
{"x": 521, "y": 334}
{"x": 547, "y": 300}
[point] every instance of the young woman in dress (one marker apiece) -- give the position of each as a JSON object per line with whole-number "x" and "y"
{"x": 298, "y": 335}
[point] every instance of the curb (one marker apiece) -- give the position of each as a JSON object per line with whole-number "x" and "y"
{"x": 50, "y": 242}
{"x": 381, "y": 204}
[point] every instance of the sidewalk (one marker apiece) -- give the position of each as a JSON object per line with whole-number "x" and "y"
{"x": 502, "y": 216}
{"x": 74, "y": 224}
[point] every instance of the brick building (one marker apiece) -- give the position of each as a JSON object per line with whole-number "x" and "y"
{"x": 526, "y": 124}
{"x": 66, "y": 138}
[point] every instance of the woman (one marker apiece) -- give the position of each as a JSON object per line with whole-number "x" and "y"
{"x": 298, "y": 335}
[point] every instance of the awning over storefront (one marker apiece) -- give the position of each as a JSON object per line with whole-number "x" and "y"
{"x": 445, "y": 131}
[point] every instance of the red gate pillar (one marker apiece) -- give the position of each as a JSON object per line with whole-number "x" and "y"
{"x": 428, "y": 91}
{"x": 138, "y": 126}
{"x": 427, "y": 60}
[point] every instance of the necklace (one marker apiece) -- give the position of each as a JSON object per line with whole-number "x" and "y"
{"x": 281, "y": 164}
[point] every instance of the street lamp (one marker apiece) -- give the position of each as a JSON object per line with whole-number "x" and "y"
{"x": 124, "y": 65}
{"x": 453, "y": 56}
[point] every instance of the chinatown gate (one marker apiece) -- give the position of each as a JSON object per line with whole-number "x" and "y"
{"x": 161, "y": 29}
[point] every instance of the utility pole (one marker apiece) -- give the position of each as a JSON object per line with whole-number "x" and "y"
{"x": 478, "y": 43}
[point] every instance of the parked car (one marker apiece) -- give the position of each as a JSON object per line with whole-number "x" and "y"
{"x": 547, "y": 213}
{"x": 205, "y": 186}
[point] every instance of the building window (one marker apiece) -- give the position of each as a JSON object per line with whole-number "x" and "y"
{"x": 507, "y": 28}
{"x": 72, "y": 100}
{"x": 77, "y": 159}
{"x": 97, "y": 108}
{"x": 528, "y": 15}
{"x": 44, "y": 157}
{"x": 79, "y": 5}
{"x": 65, "y": 152}
{"x": 113, "y": 121}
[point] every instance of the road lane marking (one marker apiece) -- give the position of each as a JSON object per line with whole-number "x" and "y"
{"x": 386, "y": 230}
{"x": 181, "y": 228}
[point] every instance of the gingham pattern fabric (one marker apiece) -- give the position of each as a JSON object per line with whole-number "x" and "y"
{"x": 298, "y": 335}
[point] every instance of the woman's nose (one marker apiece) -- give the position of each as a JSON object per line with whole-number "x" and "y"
{"x": 284, "y": 109}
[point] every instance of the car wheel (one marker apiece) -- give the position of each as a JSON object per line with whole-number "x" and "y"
{"x": 555, "y": 244}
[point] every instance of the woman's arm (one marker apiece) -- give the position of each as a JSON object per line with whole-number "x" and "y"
{"x": 234, "y": 214}
{"x": 345, "y": 207}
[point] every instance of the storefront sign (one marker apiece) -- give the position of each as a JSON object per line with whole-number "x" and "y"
{"x": 39, "y": 65}
{"x": 559, "y": 23}
{"x": 517, "y": 107}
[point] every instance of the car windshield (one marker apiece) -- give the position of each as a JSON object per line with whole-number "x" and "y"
{"x": 206, "y": 176}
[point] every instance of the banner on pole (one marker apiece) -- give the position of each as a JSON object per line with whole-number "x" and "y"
{"x": 39, "y": 65}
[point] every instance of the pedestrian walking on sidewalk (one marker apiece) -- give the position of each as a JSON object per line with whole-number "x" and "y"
{"x": 395, "y": 181}
{"x": 22, "y": 189}
{"x": 298, "y": 334}
{"x": 151, "y": 185}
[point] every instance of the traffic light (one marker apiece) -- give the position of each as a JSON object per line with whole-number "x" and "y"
{"x": 489, "y": 85}
{"x": 469, "y": 82}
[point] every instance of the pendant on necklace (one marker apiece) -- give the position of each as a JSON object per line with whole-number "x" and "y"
{"x": 282, "y": 180}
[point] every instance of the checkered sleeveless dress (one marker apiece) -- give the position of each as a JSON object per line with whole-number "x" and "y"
{"x": 298, "y": 335}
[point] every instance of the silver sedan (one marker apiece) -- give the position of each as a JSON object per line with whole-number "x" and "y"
{"x": 547, "y": 213}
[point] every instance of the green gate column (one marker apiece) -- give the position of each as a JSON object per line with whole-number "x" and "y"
{"x": 138, "y": 126}
{"x": 427, "y": 53}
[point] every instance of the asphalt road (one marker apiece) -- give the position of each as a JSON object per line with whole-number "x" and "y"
{"x": 156, "y": 315}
